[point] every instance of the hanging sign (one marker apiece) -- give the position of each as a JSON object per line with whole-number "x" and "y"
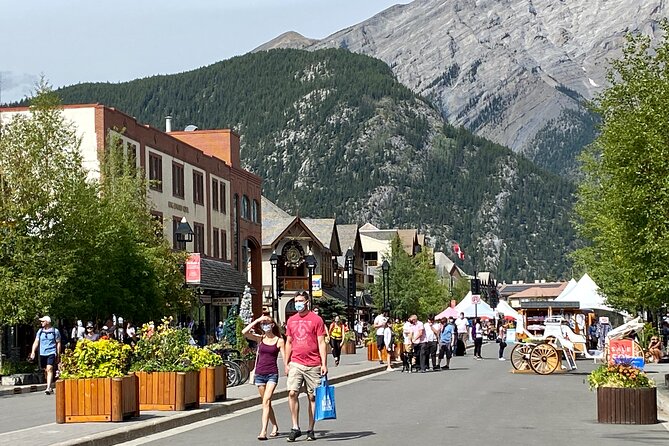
{"x": 193, "y": 272}
{"x": 316, "y": 285}
{"x": 476, "y": 299}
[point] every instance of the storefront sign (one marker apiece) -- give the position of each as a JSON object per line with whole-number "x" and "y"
{"x": 224, "y": 301}
{"x": 193, "y": 269}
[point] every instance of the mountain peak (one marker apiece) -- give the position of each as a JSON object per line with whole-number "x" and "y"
{"x": 290, "y": 39}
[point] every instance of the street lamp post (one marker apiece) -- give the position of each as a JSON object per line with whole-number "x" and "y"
{"x": 350, "y": 283}
{"x": 274, "y": 261}
{"x": 184, "y": 233}
{"x": 310, "y": 260}
{"x": 385, "y": 267}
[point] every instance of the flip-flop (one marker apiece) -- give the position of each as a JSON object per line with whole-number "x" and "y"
{"x": 262, "y": 438}
{"x": 274, "y": 434}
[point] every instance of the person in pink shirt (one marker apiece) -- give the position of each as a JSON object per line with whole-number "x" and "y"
{"x": 305, "y": 361}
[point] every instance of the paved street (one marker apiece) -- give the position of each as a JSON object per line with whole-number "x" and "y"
{"x": 476, "y": 402}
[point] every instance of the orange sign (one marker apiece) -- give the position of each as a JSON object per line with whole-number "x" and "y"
{"x": 193, "y": 268}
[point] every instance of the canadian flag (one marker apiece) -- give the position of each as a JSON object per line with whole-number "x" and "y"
{"x": 458, "y": 252}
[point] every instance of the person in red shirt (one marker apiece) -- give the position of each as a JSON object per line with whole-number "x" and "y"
{"x": 305, "y": 361}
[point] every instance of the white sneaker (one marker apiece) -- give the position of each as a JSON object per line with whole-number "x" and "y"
{"x": 502, "y": 359}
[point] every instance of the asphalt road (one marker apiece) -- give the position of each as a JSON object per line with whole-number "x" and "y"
{"x": 474, "y": 403}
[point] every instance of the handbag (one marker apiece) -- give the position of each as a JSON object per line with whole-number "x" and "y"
{"x": 325, "y": 401}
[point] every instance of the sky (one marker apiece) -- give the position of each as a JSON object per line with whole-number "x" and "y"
{"x": 72, "y": 41}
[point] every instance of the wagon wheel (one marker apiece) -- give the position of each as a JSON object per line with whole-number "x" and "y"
{"x": 520, "y": 356}
{"x": 544, "y": 359}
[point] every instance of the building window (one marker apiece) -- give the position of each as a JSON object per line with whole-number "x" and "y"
{"x": 180, "y": 246}
{"x": 198, "y": 238}
{"x": 254, "y": 212}
{"x": 214, "y": 195}
{"x": 155, "y": 172}
{"x": 132, "y": 154}
{"x": 245, "y": 208}
{"x": 216, "y": 244}
{"x": 224, "y": 245}
{"x": 198, "y": 188}
{"x": 223, "y": 197}
{"x": 178, "y": 180}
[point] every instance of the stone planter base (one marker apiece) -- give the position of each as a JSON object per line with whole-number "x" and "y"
{"x": 626, "y": 406}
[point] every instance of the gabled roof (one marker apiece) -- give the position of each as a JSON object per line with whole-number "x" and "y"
{"x": 409, "y": 239}
{"x": 381, "y": 234}
{"x": 272, "y": 228}
{"x": 269, "y": 209}
{"x": 540, "y": 291}
{"x": 368, "y": 227}
{"x": 325, "y": 229}
{"x": 221, "y": 276}
{"x": 347, "y": 236}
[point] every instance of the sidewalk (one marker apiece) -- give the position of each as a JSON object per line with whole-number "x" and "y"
{"x": 29, "y": 418}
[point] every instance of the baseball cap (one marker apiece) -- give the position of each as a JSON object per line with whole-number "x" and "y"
{"x": 45, "y": 319}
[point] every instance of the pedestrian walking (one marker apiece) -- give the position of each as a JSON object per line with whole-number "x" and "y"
{"x": 501, "y": 338}
{"x": 48, "y": 341}
{"x": 305, "y": 361}
{"x": 446, "y": 341}
{"x": 418, "y": 341}
{"x": 270, "y": 343}
{"x": 336, "y": 333}
{"x": 218, "y": 334}
{"x": 431, "y": 333}
{"x": 78, "y": 333}
{"x": 407, "y": 356}
{"x": 462, "y": 326}
{"x": 389, "y": 342}
{"x": 379, "y": 322}
{"x": 477, "y": 334}
{"x": 91, "y": 335}
{"x": 358, "y": 327}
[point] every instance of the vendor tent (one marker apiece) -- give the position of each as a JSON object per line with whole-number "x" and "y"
{"x": 586, "y": 293}
{"x": 504, "y": 308}
{"x": 570, "y": 286}
{"x": 448, "y": 312}
{"x": 472, "y": 310}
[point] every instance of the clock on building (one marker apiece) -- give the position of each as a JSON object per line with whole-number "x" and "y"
{"x": 293, "y": 255}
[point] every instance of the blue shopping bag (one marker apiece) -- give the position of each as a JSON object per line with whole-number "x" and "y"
{"x": 325, "y": 401}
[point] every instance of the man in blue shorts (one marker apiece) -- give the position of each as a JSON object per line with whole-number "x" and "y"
{"x": 48, "y": 340}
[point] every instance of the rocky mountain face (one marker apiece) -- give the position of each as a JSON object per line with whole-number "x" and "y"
{"x": 514, "y": 71}
{"x": 334, "y": 133}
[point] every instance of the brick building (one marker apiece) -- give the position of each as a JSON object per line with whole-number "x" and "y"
{"x": 194, "y": 174}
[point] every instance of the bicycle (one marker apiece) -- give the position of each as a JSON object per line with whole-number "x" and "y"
{"x": 238, "y": 371}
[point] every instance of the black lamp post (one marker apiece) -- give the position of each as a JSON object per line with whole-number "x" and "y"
{"x": 184, "y": 233}
{"x": 310, "y": 260}
{"x": 274, "y": 261}
{"x": 350, "y": 283}
{"x": 385, "y": 268}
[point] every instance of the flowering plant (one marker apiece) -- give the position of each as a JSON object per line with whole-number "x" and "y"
{"x": 170, "y": 349}
{"x": 621, "y": 375}
{"x": 105, "y": 358}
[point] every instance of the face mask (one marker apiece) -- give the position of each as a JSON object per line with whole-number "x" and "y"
{"x": 299, "y": 306}
{"x": 266, "y": 327}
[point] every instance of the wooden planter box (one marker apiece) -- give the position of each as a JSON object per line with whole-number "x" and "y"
{"x": 168, "y": 390}
{"x": 348, "y": 348}
{"x": 213, "y": 384}
{"x": 627, "y": 406}
{"x": 97, "y": 399}
{"x": 373, "y": 352}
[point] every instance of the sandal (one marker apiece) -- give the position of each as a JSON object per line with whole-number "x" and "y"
{"x": 262, "y": 438}
{"x": 274, "y": 433}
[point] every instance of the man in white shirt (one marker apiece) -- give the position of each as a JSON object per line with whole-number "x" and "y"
{"x": 462, "y": 326}
{"x": 432, "y": 330}
{"x": 419, "y": 341}
{"x": 408, "y": 347}
{"x": 379, "y": 325}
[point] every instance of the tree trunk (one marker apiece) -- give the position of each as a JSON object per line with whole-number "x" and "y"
{"x": 2, "y": 343}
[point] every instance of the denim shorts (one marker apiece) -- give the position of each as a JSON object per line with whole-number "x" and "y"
{"x": 261, "y": 380}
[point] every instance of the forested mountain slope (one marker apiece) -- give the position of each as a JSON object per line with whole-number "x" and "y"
{"x": 334, "y": 133}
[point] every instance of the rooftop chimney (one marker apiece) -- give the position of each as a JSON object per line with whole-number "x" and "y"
{"x": 168, "y": 123}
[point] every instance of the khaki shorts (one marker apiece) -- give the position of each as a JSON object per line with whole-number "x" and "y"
{"x": 299, "y": 374}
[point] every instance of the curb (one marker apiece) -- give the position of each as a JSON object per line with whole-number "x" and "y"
{"x": 23, "y": 389}
{"x": 149, "y": 427}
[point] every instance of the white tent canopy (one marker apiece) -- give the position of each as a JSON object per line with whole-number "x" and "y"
{"x": 472, "y": 310}
{"x": 586, "y": 293}
{"x": 570, "y": 286}
{"x": 504, "y": 308}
